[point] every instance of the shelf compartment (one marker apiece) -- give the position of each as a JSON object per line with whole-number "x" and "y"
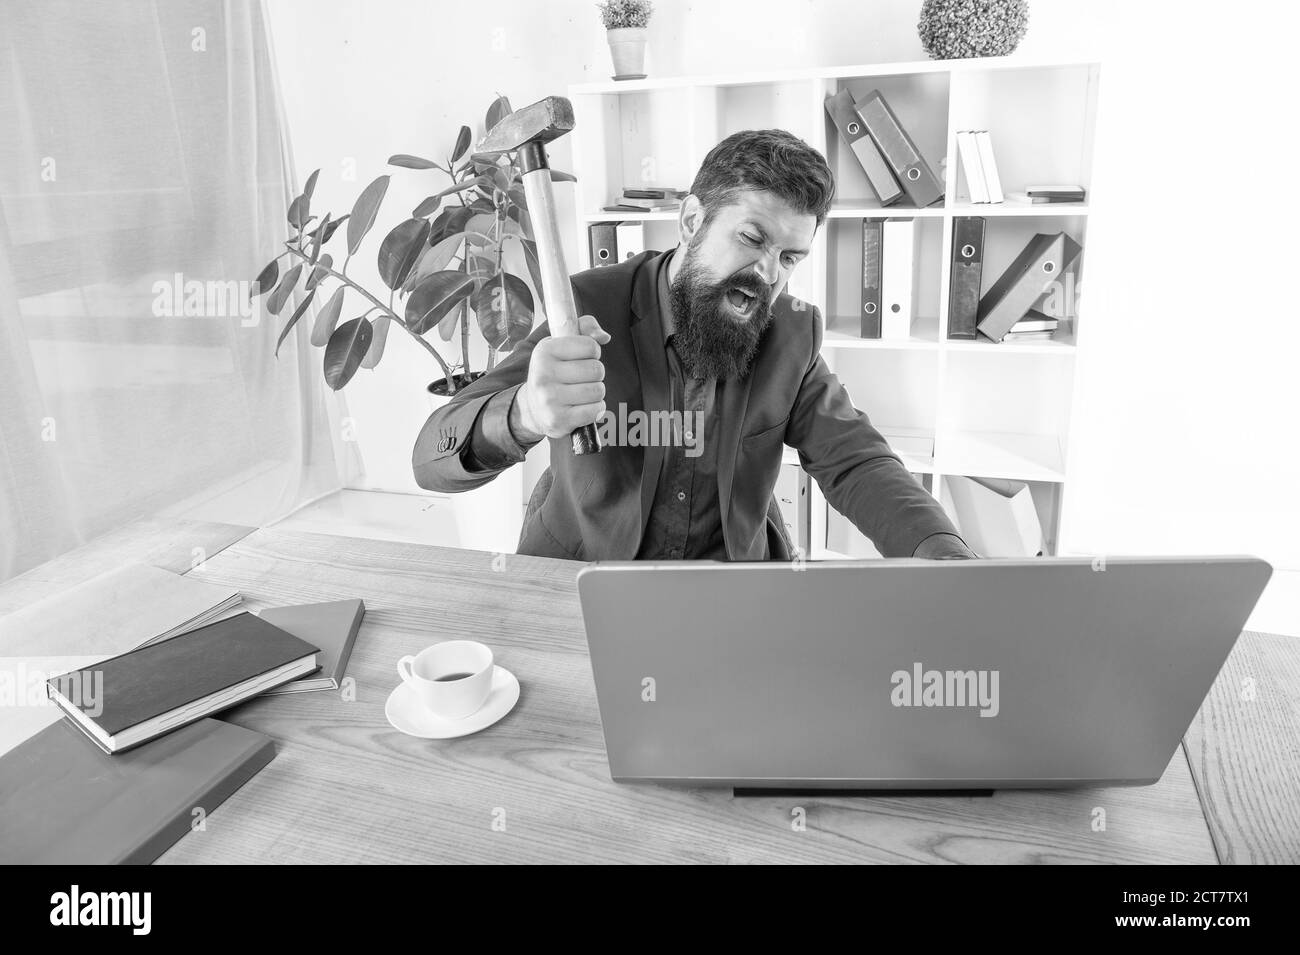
{"x": 994, "y": 454}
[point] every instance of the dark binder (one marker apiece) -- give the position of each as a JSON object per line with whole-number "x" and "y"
{"x": 872, "y": 230}
{"x": 604, "y": 246}
{"x": 964, "y": 279}
{"x": 67, "y": 802}
{"x": 1042, "y": 262}
{"x": 904, "y": 159}
{"x": 844, "y": 114}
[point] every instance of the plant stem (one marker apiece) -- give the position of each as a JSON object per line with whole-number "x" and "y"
{"x": 393, "y": 316}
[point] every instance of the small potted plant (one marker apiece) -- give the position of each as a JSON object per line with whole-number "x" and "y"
{"x": 625, "y": 26}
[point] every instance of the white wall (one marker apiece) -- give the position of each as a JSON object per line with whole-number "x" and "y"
{"x": 1185, "y": 433}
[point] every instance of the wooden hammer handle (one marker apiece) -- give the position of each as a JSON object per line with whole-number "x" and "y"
{"x": 561, "y": 310}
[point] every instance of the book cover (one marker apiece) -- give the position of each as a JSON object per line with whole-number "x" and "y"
{"x": 68, "y": 802}
{"x": 176, "y": 681}
{"x": 989, "y": 165}
{"x": 970, "y": 165}
{"x": 332, "y": 626}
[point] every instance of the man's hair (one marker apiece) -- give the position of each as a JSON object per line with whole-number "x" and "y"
{"x": 771, "y": 160}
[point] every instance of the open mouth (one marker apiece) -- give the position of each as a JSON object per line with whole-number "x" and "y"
{"x": 742, "y": 302}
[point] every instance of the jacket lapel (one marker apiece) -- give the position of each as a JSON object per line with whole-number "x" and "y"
{"x": 732, "y": 404}
{"x": 652, "y": 367}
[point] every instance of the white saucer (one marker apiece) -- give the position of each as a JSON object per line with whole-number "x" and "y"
{"x": 409, "y": 715}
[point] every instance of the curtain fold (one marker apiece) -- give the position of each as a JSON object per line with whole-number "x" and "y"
{"x": 144, "y": 181}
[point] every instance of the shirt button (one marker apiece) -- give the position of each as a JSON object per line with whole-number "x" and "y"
{"x": 681, "y": 495}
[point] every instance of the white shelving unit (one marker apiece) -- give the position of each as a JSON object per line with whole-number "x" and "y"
{"x": 994, "y": 410}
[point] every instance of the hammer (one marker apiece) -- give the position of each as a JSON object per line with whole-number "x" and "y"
{"x": 527, "y": 131}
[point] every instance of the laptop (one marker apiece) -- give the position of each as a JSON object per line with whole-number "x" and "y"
{"x": 908, "y": 674}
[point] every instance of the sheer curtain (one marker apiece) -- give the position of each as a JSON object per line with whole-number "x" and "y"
{"x": 144, "y": 173}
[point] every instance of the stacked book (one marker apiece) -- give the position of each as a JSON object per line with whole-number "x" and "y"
{"x": 887, "y": 153}
{"x": 136, "y": 661}
{"x": 1045, "y": 195}
{"x": 975, "y": 147}
{"x": 648, "y": 199}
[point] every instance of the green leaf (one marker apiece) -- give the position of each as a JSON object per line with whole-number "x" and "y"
{"x": 557, "y": 176}
{"x": 347, "y": 346}
{"x": 318, "y": 274}
{"x": 504, "y": 309}
{"x": 319, "y": 235}
{"x": 265, "y": 280}
{"x": 517, "y": 195}
{"x": 327, "y": 318}
{"x": 434, "y": 297}
{"x": 434, "y": 259}
{"x": 447, "y": 327}
{"x": 364, "y": 212}
{"x": 449, "y": 221}
{"x": 310, "y": 188}
{"x": 499, "y": 109}
{"x": 462, "y": 143}
{"x": 399, "y": 250}
{"x": 331, "y": 226}
{"x": 293, "y": 320}
{"x": 482, "y": 223}
{"x": 411, "y": 162}
{"x": 376, "y": 349}
{"x": 462, "y": 186}
{"x": 299, "y": 212}
{"x": 427, "y": 207}
{"x": 283, "y": 290}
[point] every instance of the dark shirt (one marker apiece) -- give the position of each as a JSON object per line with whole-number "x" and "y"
{"x": 686, "y": 517}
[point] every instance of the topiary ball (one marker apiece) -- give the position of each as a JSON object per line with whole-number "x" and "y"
{"x": 956, "y": 29}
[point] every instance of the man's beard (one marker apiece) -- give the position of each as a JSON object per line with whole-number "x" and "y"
{"x": 711, "y": 339}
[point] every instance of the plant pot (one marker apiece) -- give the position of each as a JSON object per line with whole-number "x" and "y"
{"x": 627, "y": 48}
{"x": 437, "y": 390}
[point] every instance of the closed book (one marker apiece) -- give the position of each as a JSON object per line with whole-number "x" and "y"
{"x": 844, "y": 114}
{"x": 1068, "y": 192}
{"x": 66, "y": 802}
{"x": 132, "y": 698}
{"x": 871, "y": 265}
{"x": 629, "y": 239}
{"x": 1042, "y": 261}
{"x": 653, "y": 192}
{"x": 989, "y": 165}
{"x": 905, "y": 160}
{"x": 898, "y": 248}
{"x": 966, "y": 275}
{"x": 1035, "y": 321}
{"x": 969, "y": 152}
{"x": 331, "y": 626}
{"x": 651, "y": 205}
{"x": 604, "y": 245}
{"x": 1014, "y": 336}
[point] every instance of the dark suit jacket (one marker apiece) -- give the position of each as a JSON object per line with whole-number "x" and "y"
{"x": 595, "y": 506}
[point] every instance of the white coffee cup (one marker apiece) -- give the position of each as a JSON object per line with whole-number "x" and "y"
{"x": 452, "y": 679}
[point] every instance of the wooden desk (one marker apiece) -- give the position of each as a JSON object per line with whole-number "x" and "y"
{"x": 346, "y": 787}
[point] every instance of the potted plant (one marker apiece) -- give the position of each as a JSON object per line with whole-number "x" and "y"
{"x": 957, "y": 29}
{"x": 439, "y": 266}
{"x": 625, "y": 26}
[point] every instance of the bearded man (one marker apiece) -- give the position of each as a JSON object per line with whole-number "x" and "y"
{"x": 703, "y": 335}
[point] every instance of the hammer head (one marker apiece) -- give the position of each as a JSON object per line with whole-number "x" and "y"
{"x": 543, "y": 121}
